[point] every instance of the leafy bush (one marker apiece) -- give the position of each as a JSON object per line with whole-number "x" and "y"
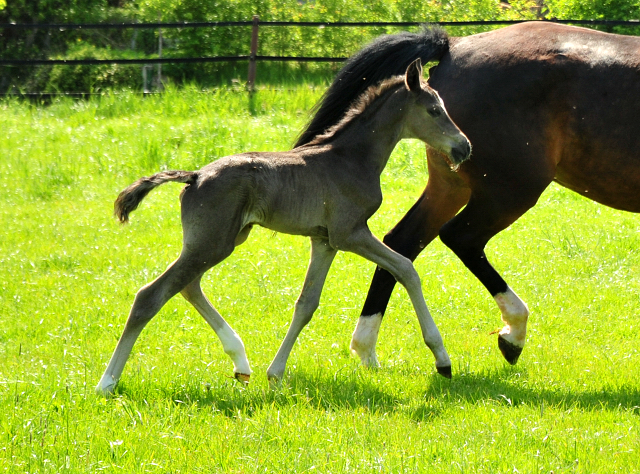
{"x": 234, "y": 41}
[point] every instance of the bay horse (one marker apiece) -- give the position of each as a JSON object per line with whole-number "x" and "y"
{"x": 326, "y": 189}
{"x": 540, "y": 102}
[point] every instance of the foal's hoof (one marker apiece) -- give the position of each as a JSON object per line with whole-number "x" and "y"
{"x": 274, "y": 382}
{"x": 445, "y": 371}
{"x": 510, "y": 351}
{"x": 242, "y": 378}
{"x": 105, "y": 391}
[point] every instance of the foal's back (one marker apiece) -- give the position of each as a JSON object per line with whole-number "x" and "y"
{"x": 292, "y": 192}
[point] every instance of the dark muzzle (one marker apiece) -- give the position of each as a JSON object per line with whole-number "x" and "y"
{"x": 461, "y": 152}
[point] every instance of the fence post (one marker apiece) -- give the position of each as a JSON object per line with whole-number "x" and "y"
{"x": 160, "y": 86}
{"x": 145, "y": 80}
{"x": 251, "y": 78}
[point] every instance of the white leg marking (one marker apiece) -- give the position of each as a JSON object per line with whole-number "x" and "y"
{"x": 234, "y": 348}
{"x": 231, "y": 342}
{"x": 364, "y": 339}
{"x": 514, "y": 315}
{"x": 112, "y": 373}
{"x": 367, "y": 245}
{"x": 106, "y": 385}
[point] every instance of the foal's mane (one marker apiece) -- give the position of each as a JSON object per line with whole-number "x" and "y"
{"x": 361, "y": 105}
{"x": 385, "y": 57}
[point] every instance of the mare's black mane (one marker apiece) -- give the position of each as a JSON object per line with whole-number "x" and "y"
{"x": 384, "y": 57}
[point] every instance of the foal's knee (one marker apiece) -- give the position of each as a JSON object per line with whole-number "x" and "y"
{"x": 145, "y": 306}
{"x": 407, "y": 274}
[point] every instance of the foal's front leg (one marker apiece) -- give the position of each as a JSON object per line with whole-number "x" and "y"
{"x": 322, "y": 255}
{"x": 365, "y": 244}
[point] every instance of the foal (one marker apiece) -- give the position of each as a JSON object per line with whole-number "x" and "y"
{"x": 326, "y": 190}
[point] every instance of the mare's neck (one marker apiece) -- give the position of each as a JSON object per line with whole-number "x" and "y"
{"x": 371, "y": 138}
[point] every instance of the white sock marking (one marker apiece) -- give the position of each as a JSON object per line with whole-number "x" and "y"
{"x": 365, "y": 336}
{"x": 514, "y": 315}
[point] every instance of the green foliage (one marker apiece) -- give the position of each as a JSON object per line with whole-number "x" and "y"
{"x": 218, "y": 41}
{"x": 597, "y": 10}
{"x": 234, "y": 41}
{"x": 89, "y": 78}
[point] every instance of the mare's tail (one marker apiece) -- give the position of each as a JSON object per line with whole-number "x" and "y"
{"x": 129, "y": 199}
{"x": 384, "y": 57}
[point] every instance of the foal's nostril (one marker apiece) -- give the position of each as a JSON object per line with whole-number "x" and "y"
{"x": 461, "y": 152}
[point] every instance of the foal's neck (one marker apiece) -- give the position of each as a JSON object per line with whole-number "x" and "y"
{"x": 372, "y": 136}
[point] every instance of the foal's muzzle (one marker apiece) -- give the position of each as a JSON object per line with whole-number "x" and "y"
{"x": 461, "y": 152}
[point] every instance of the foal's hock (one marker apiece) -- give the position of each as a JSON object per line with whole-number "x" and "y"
{"x": 326, "y": 190}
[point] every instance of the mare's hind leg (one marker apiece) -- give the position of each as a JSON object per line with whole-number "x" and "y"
{"x": 468, "y": 233}
{"x": 322, "y": 255}
{"x": 231, "y": 342}
{"x": 443, "y": 197}
{"x": 148, "y": 302}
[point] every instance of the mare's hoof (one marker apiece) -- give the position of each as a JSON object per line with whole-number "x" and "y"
{"x": 445, "y": 371}
{"x": 510, "y": 351}
{"x": 242, "y": 378}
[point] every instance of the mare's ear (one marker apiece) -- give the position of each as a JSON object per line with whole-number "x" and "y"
{"x": 413, "y": 75}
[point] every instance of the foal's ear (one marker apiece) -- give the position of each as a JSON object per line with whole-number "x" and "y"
{"x": 413, "y": 75}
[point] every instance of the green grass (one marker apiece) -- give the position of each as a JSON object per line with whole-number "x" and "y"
{"x": 68, "y": 274}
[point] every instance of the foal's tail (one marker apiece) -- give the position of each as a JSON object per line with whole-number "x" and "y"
{"x": 129, "y": 199}
{"x": 384, "y": 57}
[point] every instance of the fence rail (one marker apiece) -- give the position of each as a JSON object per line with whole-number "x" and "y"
{"x": 212, "y": 24}
{"x": 253, "y": 57}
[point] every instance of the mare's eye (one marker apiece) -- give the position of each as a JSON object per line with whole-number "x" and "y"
{"x": 435, "y": 111}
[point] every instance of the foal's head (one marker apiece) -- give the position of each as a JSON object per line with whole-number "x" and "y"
{"x": 428, "y": 120}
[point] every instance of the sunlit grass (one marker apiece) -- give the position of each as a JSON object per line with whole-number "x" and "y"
{"x": 68, "y": 274}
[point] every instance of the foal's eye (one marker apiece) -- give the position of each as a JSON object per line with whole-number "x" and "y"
{"x": 434, "y": 111}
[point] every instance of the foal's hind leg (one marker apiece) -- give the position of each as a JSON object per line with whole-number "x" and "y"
{"x": 322, "y": 255}
{"x": 444, "y": 195}
{"x": 231, "y": 342}
{"x": 148, "y": 301}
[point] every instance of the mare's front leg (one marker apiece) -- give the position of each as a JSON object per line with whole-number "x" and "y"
{"x": 467, "y": 234}
{"x": 365, "y": 244}
{"x": 322, "y": 255}
{"x": 231, "y": 342}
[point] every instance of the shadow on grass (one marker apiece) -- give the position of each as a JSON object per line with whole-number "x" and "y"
{"x": 512, "y": 386}
{"x": 354, "y": 390}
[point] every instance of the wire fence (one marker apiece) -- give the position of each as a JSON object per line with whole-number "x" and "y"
{"x": 252, "y": 57}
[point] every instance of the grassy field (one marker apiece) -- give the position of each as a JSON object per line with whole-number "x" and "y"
{"x": 68, "y": 274}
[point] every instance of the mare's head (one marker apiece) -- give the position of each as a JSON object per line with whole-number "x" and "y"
{"x": 428, "y": 120}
